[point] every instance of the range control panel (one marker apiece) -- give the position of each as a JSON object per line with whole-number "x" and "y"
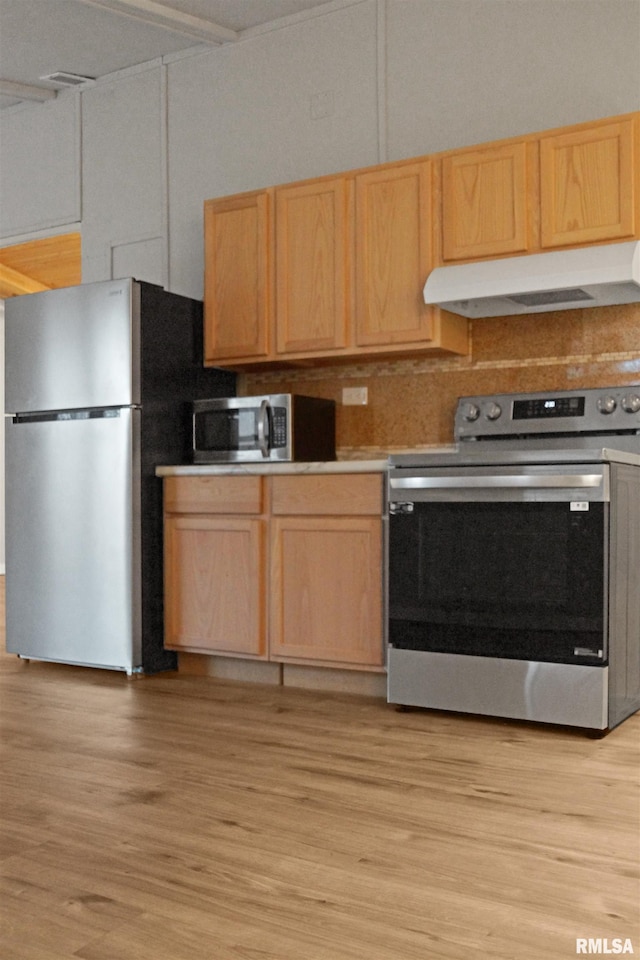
{"x": 568, "y": 412}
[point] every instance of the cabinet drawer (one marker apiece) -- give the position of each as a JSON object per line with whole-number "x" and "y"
{"x": 213, "y": 495}
{"x": 319, "y": 494}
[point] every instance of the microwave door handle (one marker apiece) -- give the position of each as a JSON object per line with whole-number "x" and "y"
{"x": 263, "y": 428}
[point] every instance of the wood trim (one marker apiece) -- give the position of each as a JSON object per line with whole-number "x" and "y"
{"x": 50, "y": 263}
{"x": 13, "y": 283}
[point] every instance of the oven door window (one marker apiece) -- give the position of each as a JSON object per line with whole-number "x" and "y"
{"x": 516, "y": 580}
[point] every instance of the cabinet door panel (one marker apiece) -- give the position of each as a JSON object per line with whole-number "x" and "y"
{"x": 587, "y": 185}
{"x": 214, "y": 585}
{"x": 484, "y": 202}
{"x": 326, "y": 589}
{"x": 393, "y": 255}
{"x": 312, "y": 241}
{"x": 237, "y": 276}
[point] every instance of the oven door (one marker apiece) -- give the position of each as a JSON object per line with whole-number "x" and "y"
{"x": 501, "y": 562}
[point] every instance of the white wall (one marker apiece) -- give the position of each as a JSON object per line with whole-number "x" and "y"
{"x": 396, "y": 78}
{"x": 246, "y": 116}
{"x": 40, "y": 170}
{"x": 461, "y": 72}
{"x": 124, "y": 177}
{"x": 134, "y": 157}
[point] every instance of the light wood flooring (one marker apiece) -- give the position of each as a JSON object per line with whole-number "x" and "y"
{"x": 187, "y": 818}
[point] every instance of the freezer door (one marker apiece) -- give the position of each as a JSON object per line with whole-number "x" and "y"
{"x": 72, "y": 539}
{"x": 73, "y": 348}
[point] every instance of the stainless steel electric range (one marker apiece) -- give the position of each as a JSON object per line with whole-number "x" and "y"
{"x": 514, "y": 561}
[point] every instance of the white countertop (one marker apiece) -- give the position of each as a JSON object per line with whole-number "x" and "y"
{"x": 266, "y": 469}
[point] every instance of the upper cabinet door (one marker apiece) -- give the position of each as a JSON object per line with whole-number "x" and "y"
{"x": 312, "y": 266}
{"x": 587, "y": 185}
{"x": 238, "y": 286}
{"x": 485, "y": 194}
{"x": 393, "y": 254}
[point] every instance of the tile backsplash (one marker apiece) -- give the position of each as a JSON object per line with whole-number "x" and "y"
{"x": 411, "y": 402}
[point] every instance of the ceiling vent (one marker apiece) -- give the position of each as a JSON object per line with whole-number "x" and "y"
{"x": 63, "y": 79}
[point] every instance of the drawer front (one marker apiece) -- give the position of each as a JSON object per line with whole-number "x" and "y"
{"x": 228, "y": 495}
{"x": 350, "y": 494}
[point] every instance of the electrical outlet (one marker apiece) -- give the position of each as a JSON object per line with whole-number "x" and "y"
{"x": 355, "y": 396}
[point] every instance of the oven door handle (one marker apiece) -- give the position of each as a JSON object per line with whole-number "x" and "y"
{"x": 564, "y": 481}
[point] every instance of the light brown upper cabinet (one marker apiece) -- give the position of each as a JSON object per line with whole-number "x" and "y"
{"x": 486, "y": 201}
{"x": 393, "y": 255}
{"x": 237, "y": 276}
{"x": 562, "y": 188}
{"x": 313, "y": 246}
{"x": 347, "y": 258}
{"x": 334, "y": 267}
{"x": 589, "y": 183}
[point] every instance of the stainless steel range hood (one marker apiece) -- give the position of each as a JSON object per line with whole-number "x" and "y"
{"x": 561, "y": 280}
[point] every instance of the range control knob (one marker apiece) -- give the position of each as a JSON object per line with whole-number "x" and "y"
{"x": 607, "y": 404}
{"x": 471, "y": 411}
{"x": 493, "y": 411}
{"x": 631, "y": 403}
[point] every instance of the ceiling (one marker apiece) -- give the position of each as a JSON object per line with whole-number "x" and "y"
{"x": 92, "y": 38}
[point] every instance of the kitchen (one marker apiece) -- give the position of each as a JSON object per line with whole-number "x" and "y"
{"x": 124, "y": 230}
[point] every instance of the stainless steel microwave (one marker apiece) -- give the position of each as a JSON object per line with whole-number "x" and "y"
{"x": 273, "y": 428}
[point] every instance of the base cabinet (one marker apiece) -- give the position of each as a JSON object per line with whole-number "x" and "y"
{"x": 325, "y": 581}
{"x": 214, "y": 580}
{"x": 316, "y": 540}
{"x": 326, "y": 569}
{"x": 215, "y": 552}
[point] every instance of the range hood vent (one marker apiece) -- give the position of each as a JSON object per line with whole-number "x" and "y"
{"x": 561, "y": 280}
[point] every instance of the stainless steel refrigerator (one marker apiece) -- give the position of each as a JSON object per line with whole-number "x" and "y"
{"x": 99, "y": 381}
